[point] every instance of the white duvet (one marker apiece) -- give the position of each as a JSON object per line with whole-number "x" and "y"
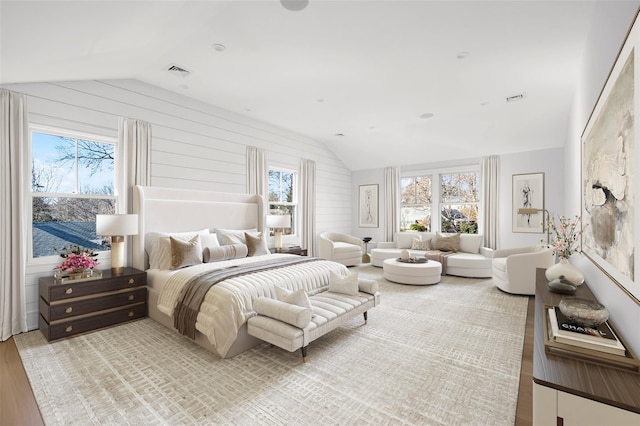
{"x": 228, "y": 304}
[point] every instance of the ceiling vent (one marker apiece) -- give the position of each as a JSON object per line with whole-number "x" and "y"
{"x": 515, "y": 98}
{"x": 174, "y": 69}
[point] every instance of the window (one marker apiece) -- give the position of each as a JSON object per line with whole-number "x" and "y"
{"x": 459, "y": 202}
{"x": 282, "y": 196}
{"x": 72, "y": 180}
{"x": 415, "y": 209}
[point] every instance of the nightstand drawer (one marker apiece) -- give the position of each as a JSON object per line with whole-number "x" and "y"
{"x": 73, "y": 307}
{"x": 71, "y": 327}
{"x": 70, "y": 290}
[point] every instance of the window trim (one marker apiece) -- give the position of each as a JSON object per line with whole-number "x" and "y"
{"x": 294, "y": 203}
{"x": 118, "y": 195}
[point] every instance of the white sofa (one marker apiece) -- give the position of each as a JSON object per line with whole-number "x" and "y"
{"x": 514, "y": 270}
{"x": 341, "y": 248}
{"x": 471, "y": 260}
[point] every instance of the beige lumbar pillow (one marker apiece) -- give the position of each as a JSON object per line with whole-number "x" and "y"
{"x": 344, "y": 284}
{"x": 226, "y": 252}
{"x": 185, "y": 253}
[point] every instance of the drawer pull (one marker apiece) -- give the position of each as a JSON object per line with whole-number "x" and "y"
{"x": 69, "y": 290}
{"x": 68, "y": 310}
{"x": 131, "y": 313}
{"x": 131, "y": 281}
{"x": 131, "y": 297}
{"x": 69, "y": 329}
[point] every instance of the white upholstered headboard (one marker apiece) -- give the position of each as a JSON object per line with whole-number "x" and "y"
{"x": 179, "y": 210}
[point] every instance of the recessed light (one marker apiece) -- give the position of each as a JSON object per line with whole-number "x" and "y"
{"x": 339, "y": 134}
{"x": 462, "y": 55}
{"x": 219, "y": 47}
{"x": 427, "y": 115}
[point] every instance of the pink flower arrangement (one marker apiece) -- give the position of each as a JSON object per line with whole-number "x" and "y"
{"x": 76, "y": 257}
{"x": 565, "y": 242}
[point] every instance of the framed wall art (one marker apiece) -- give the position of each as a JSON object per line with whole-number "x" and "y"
{"x": 368, "y": 206}
{"x": 528, "y": 193}
{"x": 609, "y": 150}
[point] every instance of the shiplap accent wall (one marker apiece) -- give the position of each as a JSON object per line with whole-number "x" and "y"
{"x": 195, "y": 145}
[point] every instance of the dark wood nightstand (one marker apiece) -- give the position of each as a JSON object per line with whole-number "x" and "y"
{"x": 290, "y": 250}
{"x": 69, "y": 308}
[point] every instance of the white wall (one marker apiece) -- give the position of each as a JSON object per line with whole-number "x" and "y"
{"x": 195, "y": 145}
{"x": 549, "y": 161}
{"x": 608, "y": 31}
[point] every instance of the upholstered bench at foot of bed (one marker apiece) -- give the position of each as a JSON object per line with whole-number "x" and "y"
{"x": 283, "y": 324}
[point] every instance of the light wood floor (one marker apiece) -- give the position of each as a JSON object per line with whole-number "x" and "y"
{"x": 18, "y": 405}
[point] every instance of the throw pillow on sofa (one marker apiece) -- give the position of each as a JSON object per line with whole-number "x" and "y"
{"x": 470, "y": 243}
{"x": 451, "y": 243}
{"x": 417, "y": 244}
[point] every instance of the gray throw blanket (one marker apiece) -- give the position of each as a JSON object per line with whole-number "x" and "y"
{"x": 187, "y": 308}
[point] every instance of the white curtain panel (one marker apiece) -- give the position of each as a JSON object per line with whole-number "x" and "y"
{"x": 257, "y": 173}
{"x": 134, "y": 146}
{"x": 391, "y": 202}
{"x": 308, "y": 205}
{"x": 14, "y": 138}
{"x": 489, "y": 170}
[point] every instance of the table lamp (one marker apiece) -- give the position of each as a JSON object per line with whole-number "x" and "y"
{"x": 117, "y": 226}
{"x": 278, "y": 222}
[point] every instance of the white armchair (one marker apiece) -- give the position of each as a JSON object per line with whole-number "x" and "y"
{"x": 514, "y": 270}
{"x": 341, "y": 248}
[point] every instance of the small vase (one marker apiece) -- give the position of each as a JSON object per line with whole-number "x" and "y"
{"x": 565, "y": 269}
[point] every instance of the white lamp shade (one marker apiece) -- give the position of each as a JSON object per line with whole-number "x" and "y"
{"x": 116, "y": 224}
{"x": 279, "y": 221}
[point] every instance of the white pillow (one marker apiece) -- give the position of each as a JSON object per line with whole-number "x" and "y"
{"x": 233, "y": 236}
{"x": 298, "y": 297}
{"x": 404, "y": 239}
{"x": 344, "y": 284}
{"x": 162, "y": 255}
{"x": 470, "y": 243}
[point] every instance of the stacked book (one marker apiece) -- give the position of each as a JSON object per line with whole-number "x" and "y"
{"x": 600, "y": 338}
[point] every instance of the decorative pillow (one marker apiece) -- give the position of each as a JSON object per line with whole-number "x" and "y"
{"x": 344, "y": 284}
{"x": 470, "y": 243}
{"x": 403, "y": 239}
{"x": 291, "y": 314}
{"x": 233, "y": 236}
{"x": 257, "y": 245}
{"x": 451, "y": 243}
{"x": 298, "y": 297}
{"x": 231, "y": 251}
{"x": 209, "y": 240}
{"x": 417, "y": 244}
{"x": 160, "y": 255}
{"x": 185, "y": 253}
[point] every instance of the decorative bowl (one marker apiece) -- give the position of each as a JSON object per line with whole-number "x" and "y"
{"x": 366, "y": 239}
{"x": 584, "y": 312}
{"x": 413, "y": 260}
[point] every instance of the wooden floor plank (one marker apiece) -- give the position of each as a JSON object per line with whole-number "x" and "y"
{"x": 17, "y": 403}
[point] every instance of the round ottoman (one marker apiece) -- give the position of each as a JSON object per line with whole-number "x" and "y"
{"x": 412, "y": 273}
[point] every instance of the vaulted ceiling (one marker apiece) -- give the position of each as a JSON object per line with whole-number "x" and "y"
{"x": 379, "y": 82}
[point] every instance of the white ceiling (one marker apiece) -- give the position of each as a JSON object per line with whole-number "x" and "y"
{"x": 364, "y": 69}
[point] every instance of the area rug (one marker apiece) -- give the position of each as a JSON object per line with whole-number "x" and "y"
{"x": 446, "y": 354}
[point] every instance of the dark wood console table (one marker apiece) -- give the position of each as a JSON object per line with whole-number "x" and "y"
{"x": 598, "y": 388}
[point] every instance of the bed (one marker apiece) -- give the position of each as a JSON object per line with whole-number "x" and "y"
{"x": 221, "y": 321}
